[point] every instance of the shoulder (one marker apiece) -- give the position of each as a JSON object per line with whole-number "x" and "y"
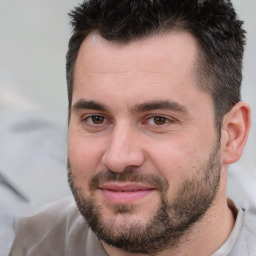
{"x": 246, "y": 242}
{"x": 249, "y": 228}
{"x": 56, "y": 226}
{"x": 59, "y": 210}
{"x": 55, "y": 215}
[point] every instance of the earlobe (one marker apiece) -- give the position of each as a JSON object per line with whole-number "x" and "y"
{"x": 235, "y": 130}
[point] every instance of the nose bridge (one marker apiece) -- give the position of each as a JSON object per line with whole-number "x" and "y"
{"x": 123, "y": 149}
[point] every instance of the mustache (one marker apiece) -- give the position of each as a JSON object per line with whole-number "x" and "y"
{"x": 128, "y": 175}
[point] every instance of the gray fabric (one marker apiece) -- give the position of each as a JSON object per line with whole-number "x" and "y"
{"x": 58, "y": 229}
{"x": 246, "y": 243}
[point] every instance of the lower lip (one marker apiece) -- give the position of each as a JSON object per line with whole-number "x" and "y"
{"x": 126, "y": 196}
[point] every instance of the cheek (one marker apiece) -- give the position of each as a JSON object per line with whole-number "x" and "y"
{"x": 179, "y": 159}
{"x": 171, "y": 163}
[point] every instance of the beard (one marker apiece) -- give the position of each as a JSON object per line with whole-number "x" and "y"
{"x": 167, "y": 224}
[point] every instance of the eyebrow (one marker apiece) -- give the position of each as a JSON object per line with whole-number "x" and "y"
{"x": 89, "y": 104}
{"x": 164, "y": 105}
{"x": 144, "y": 107}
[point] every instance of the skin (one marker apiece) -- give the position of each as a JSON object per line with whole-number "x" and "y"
{"x": 174, "y": 147}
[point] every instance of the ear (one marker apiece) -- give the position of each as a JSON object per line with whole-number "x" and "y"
{"x": 235, "y": 129}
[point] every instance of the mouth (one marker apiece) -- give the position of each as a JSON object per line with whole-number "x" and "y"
{"x": 125, "y": 193}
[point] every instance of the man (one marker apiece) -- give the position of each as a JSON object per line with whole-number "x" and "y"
{"x": 155, "y": 119}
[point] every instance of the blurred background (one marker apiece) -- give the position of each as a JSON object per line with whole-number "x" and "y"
{"x": 33, "y": 107}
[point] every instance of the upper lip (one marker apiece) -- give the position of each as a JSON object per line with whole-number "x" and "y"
{"x": 128, "y": 187}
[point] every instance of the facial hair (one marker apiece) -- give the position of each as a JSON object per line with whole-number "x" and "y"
{"x": 167, "y": 224}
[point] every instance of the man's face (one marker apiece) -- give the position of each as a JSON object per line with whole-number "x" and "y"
{"x": 144, "y": 161}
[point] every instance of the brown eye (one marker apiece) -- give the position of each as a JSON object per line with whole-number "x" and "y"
{"x": 97, "y": 119}
{"x": 159, "y": 120}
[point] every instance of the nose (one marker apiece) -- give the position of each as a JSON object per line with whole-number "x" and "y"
{"x": 123, "y": 150}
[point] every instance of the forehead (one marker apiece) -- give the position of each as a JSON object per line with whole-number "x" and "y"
{"x": 160, "y": 54}
{"x": 161, "y": 67}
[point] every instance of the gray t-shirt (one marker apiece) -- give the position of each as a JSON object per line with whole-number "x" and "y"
{"x": 58, "y": 229}
{"x": 242, "y": 240}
